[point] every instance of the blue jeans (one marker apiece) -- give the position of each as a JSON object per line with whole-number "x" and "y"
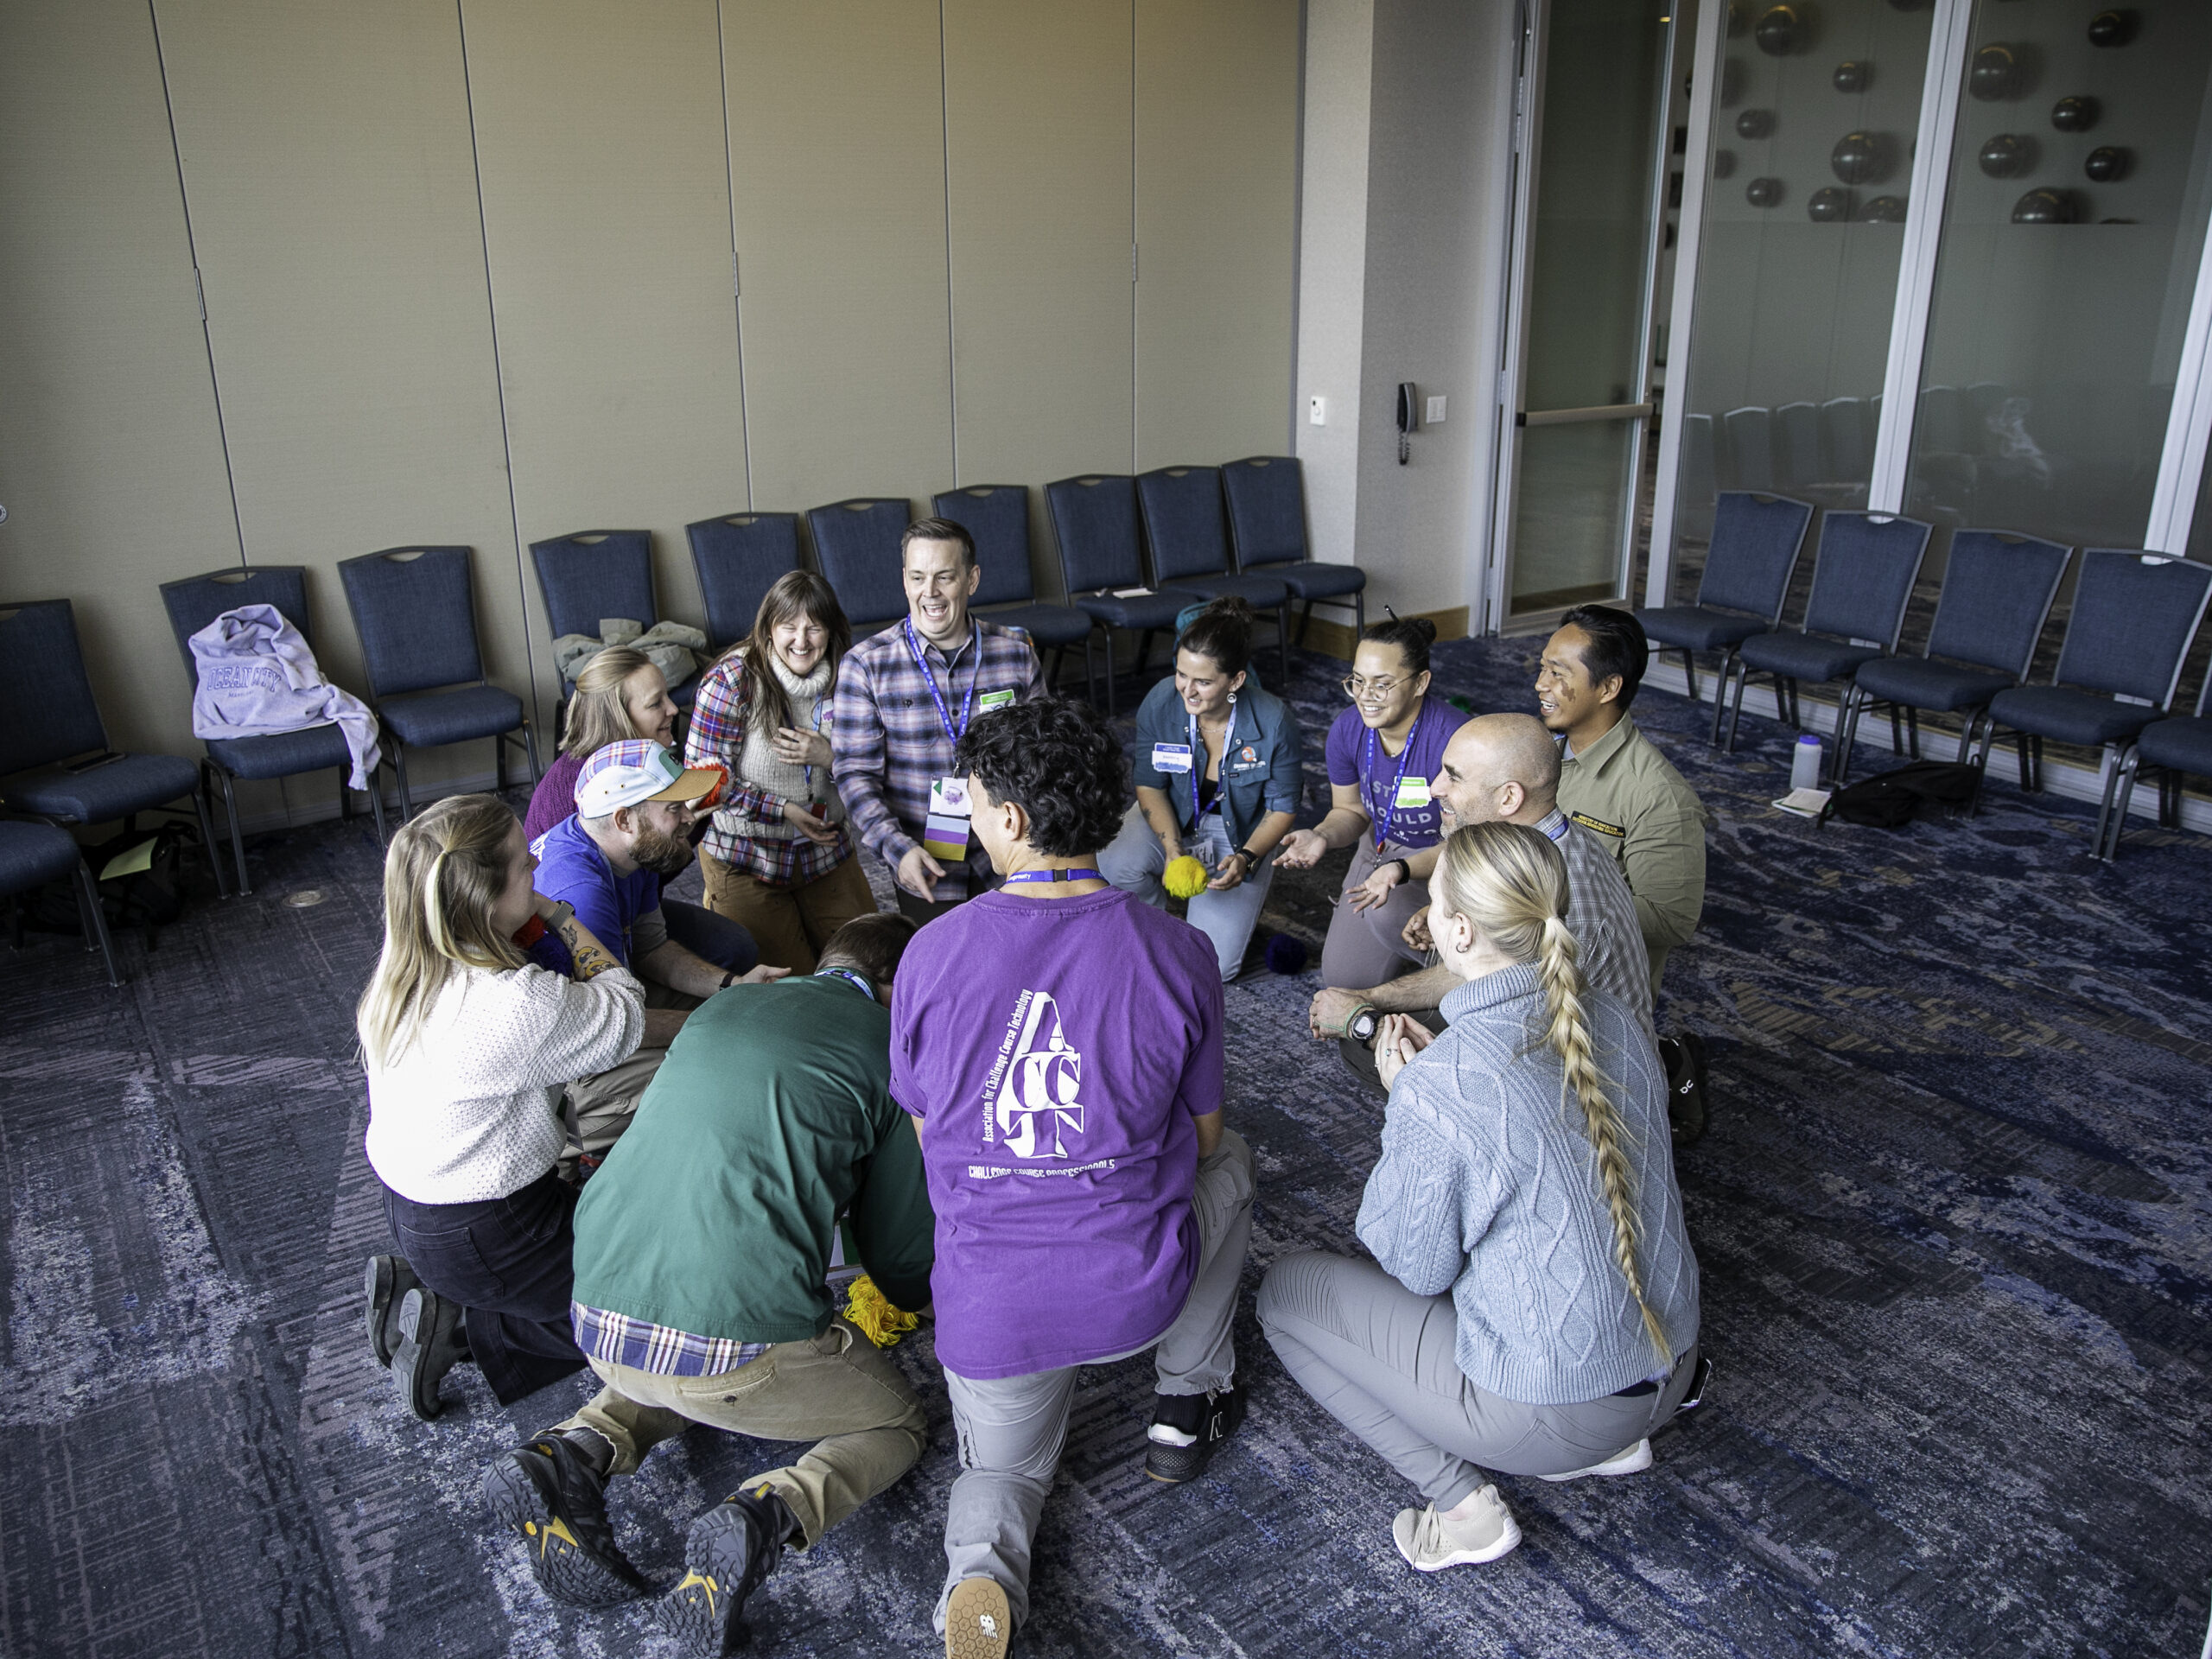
{"x": 716, "y": 938}
{"x": 1135, "y": 861}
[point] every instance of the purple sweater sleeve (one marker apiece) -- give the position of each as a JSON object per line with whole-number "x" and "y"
{"x": 555, "y": 797}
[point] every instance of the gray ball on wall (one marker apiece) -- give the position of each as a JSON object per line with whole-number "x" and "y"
{"x": 2074, "y": 114}
{"x": 1755, "y": 124}
{"x": 1723, "y": 163}
{"x": 1830, "y": 205}
{"x": 2007, "y": 156}
{"x": 1883, "y": 210}
{"x": 1859, "y": 158}
{"x": 1995, "y": 73}
{"x": 1763, "y": 193}
{"x": 1852, "y": 77}
{"x": 1778, "y": 31}
{"x": 2112, "y": 28}
{"x": 2107, "y": 164}
{"x": 2044, "y": 207}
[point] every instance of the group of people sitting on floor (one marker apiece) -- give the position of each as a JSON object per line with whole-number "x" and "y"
{"x": 617, "y": 1131}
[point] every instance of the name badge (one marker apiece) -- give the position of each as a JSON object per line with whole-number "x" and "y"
{"x": 991, "y": 700}
{"x": 949, "y": 798}
{"x": 1171, "y": 757}
{"x": 945, "y": 837}
{"x": 1412, "y": 793}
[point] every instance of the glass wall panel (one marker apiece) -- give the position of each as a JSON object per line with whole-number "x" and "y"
{"x": 1811, "y": 159}
{"x": 2071, "y": 236}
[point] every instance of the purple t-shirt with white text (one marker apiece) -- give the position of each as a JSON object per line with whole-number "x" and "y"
{"x": 1357, "y": 760}
{"x": 1056, "y": 1052}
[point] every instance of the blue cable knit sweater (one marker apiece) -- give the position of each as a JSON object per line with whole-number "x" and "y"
{"x": 1488, "y": 1188}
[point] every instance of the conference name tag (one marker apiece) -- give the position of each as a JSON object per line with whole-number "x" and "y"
{"x": 1412, "y": 793}
{"x": 945, "y": 836}
{"x": 1171, "y": 757}
{"x": 991, "y": 700}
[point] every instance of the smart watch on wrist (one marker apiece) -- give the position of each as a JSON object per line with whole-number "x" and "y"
{"x": 1405, "y": 870}
{"x": 1361, "y": 1027}
{"x": 729, "y": 979}
{"x": 563, "y": 911}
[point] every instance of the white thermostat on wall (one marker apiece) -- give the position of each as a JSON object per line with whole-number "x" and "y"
{"x": 1435, "y": 410}
{"x": 1316, "y": 411}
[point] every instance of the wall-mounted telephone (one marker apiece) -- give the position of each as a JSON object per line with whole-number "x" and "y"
{"x": 1409, "y": 420}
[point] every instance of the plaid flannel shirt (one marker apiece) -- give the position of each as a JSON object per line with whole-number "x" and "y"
{"x": 884, "y": 730}
{"x": 719, "y": 719}
{"x": 620, "y": 1340}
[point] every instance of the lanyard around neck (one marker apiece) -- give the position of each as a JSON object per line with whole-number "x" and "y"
{"x": 849, "y": 977}
{"x": 929, "y": 677}
{"x": 1385, "y": 819}
{"x": 1071, "y": 874}
{"x": 1199, "y": 755}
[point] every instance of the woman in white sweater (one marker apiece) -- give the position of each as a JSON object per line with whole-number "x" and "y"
{"x": 468, "y": 1044}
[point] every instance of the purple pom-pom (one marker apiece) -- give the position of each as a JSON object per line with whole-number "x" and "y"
{"x": 1286, "y": 954}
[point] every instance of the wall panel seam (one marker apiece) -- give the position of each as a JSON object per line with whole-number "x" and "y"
{"x": 951, "y": 310}
{"x": 736, "y": 271}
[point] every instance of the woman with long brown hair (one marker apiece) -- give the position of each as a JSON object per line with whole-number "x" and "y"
{"x": 776, "y": 859}
{"x": 1532, "y": 1305}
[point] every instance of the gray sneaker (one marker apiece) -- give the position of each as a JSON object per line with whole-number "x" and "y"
{"x": 1430, "y": 1543}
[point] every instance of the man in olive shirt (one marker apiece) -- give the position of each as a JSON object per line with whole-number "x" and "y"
{"x": 702, "y": 1246}
{"x": 1616, "y": 785}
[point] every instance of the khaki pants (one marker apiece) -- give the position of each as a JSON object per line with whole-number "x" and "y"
{"x": 790, "y": 925}
{"x": 598, "y": 1108}
{"x": 836, "y": 1389}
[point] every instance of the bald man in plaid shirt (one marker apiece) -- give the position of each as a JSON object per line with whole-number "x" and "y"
{"x": 903, "y": 698}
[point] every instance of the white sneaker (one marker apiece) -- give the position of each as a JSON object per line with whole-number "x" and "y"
{"x": 1430, "y": 1543}
{"x": 1634, "y": 1461}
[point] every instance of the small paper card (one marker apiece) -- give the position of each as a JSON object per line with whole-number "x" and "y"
{"x": 1412, "y": 793}
{"x": 139, "y": 858}
{"x": 1131, "y": 592}
{"x": 949, "y": 798}
{"x": 991, "y": 700}
{"x": 1171, "y": 757}
{"x": 1805, "y": 803}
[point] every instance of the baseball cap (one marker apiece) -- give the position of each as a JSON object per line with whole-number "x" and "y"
{"x": 632, "y": 771}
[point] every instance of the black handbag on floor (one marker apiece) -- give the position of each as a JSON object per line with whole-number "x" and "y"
{"x": 147, "y": 899}
{"x": 1891, "y": 799}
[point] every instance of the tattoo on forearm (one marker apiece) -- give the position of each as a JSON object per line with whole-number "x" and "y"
{"x": 590, "y": 956}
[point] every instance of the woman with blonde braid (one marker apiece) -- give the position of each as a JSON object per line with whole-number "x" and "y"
{"x": 1532, "y": 1307}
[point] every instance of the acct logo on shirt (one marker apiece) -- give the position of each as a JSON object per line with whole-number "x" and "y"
{"x": 1030, "y": 1096}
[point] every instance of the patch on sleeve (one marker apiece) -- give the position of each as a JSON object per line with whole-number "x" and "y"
{"x": 1599, "y": 825}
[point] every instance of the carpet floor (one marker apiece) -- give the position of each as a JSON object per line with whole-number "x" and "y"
{"x": 1953, "y": 1218}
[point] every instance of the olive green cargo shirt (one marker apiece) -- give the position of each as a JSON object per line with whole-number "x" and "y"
{"x": 1629, "y": 795}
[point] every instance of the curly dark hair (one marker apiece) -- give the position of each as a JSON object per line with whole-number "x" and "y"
{"x": 1060, "y": 762}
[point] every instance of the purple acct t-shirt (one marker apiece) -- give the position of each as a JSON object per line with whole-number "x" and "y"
{"x": 1356, "y": 758}
{"x": 1056, "y": 1051}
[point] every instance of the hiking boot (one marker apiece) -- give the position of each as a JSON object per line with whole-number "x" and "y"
{"x": 554, "y": 1499}
{"x": 1430, "y": 1543}
{"x": 1186, "y": 1430}
{"x": 1684, "y": 1058}
{"x": 978, "y": 1624}
{"x": 431, "y": 1343}
{"x": 387, "y": 1279}
{"x": 1634, "y": 1461}
{"x": 731, "y": 1549}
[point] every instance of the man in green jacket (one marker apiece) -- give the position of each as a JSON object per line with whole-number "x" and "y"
{"x": 702, "y": 1247}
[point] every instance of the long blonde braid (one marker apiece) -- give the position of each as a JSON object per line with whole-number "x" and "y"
{"x": 1510, "y": 882}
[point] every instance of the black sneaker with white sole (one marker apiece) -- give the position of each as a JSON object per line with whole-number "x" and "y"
{"x": 387, "y": 1279}
{"x": 731, "y": 1550}
{"x": 431, "y": 1342}
{"x": 1187, "y": 1429}
{"x": 552, "y": 1499}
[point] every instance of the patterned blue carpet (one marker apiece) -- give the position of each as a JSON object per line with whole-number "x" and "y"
{"x": 1953, "y": 1215}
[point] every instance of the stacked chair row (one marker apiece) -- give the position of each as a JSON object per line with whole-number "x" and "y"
{"x": 1133, "y": 552}
{"x": 2133, "y": 617}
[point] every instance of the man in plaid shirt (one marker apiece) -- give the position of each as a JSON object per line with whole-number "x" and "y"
{"x": 904, "y": 698}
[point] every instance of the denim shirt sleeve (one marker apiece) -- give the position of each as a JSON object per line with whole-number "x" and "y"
{"x": 1155, "y": 725}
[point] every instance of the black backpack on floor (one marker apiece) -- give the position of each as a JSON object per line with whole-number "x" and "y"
{"x": 147, "y": 899}
{"x": 1890, "y": 798}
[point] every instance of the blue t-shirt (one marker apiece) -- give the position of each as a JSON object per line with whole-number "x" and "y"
{"x": 1357, "y": 760}
{"x": 572, "y": 869}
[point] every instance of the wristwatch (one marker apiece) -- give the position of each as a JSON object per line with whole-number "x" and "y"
{"x": 1361, "y": 1027}
{"x": 563, "y": 911}
{"x": 1405, "y": 870}
{"x": 729, "y": 979}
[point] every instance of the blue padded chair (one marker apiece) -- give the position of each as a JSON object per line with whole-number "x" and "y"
{"x": 1862, "y": 583}
{"x": 1188, "y": 531}
{"x": 32, "y": 854}
{"x": 593, "y": 574}
{"x": 739, "y": 557}
{"x": 856, "y": 546}
{"x": 1267, "y": 522}
{"x": 1998, "y": 589}
{"x": 997, "y": 516}
{"x": 194, "y": 601}
{"x": 54, "y": 760}
{"x": 1756, "y": 539}
{"x": 2134, "y": 615}
{"x": 2172, "y": 749}
{"x": 415, "y": 615}
{"x": 1101, "y": 562}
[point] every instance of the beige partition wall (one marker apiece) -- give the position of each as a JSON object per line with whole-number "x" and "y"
{"x": 606, "y": 183}
{"x": 1038, "y": 171}
{"x": 836, "y": 155}
{"x": 1217, "y": 226}
{"x": 110, "y": 452}
{"x": 327, "y": 160}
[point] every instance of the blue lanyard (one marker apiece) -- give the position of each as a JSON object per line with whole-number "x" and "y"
{"x": 849, "y": 977}
{"x": 967, "y": 704}
{"x": 1054, "y": 875}
{"x": 1198, "y": 758}
{"x": 1384, "y": 820}
{"x": 1558, "y": 833}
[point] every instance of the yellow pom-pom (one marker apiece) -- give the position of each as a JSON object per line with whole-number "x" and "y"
{"x": 1185, "y": 876}
{"x": 880, "y": 1322}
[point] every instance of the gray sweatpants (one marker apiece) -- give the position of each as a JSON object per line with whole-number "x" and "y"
{"x": 1380, "y": 1360}
{"x": 1012, "y": 1428}
{"x": 1364, "y": 947}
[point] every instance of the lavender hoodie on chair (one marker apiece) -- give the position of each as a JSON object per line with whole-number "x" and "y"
{"x": 257, "y": 677}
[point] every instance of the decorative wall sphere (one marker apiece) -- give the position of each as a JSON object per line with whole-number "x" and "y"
{"x": 1830, "y": 205}
{"x": 1778, "y": 31}
{"x": 1851, "y": 77}
{"x": 1755, "y": 123}
{"x": 1995, "y": 74}
{"x": 2108, "y": 164}
{"x": 2110, "y": 28}
{"x": 1883, "y": 210}
{"x": 2006, "y": 157}
{"x": 2074, "y": 114}
{"x": 1763, "y": 193}
{"x": 1858, "y": 158}
{"x": 1723, "y": 163}
{"x": 2043, "y": 208}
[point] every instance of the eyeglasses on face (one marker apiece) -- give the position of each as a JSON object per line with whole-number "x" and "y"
{"x": 1359, "y": 689}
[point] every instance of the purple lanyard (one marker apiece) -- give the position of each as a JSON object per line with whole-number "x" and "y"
{"x": 1198, "y": 763}
{"x": 1385, "y": 820}
{"x": 1070, "y": 874}
{"x": 967, "y": 704}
